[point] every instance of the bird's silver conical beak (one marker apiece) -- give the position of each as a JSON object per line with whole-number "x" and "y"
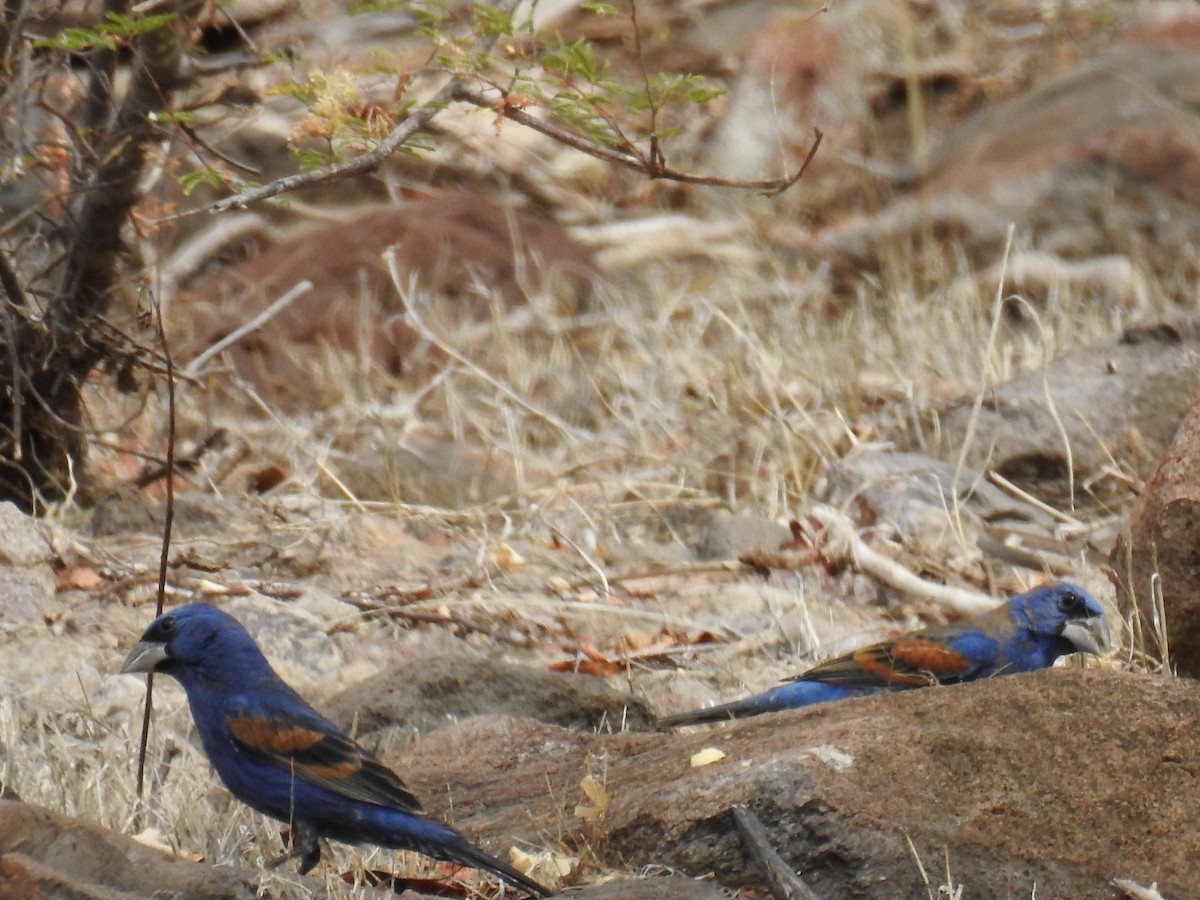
{"x": 1088, "y": 635}
{"x": 144, "y": 657}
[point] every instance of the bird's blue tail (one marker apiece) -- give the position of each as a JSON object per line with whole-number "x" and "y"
{"x": 404, "y": 831}
{"x": 789, "y": 695}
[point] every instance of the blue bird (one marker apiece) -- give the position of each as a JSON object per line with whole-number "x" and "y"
{"x": 278, "y": 755}
{"x": 1030, "y": 631}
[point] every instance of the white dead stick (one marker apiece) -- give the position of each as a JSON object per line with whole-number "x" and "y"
{"x": 1136, "y": 891}
{"x": 298, "y": 290}
{"x": 838, "y": 542}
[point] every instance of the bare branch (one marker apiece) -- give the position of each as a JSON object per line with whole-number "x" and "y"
{"x": 782, "y": 881}
{"x": 557, "y": 133}
{"x": 364, "y": 162}
{"x": 298, "y": 290}
{"x": 657, "y": 159}
{"x": 456, "y": 89}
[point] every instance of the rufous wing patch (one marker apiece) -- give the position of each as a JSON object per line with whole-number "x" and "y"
{"x": 334, "y": 771}
{"x": 269, "y": 737}
{"x": 930, "y": 656}
{"x": 880, "y": 663}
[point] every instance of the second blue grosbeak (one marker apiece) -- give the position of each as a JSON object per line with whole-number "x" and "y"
{"x": 1028, "y": 632}
{"x": 278, "y": 755}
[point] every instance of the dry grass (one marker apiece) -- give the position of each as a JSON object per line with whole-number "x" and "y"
{"x": 678, "y": 391}
{"x": 686, "y": 385}
{"x": 671, "y": 392}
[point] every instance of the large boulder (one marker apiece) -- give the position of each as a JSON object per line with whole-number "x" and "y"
{"x": 1057, "y": 781}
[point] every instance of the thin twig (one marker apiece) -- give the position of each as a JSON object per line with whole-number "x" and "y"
{"x": 419, "y": 616}
{"x": 186, "y": 463}
{"x": 298, "y": 290}
{"x": 165, "y": 554}
{"x": 992, "y": 543}
{"x": 12, "y": 284}
{"x": 783, "y": 883}
{"x": 391, "y": 596}
{"x": 657, "y": 161}
{"x": 561, "y": 135}
{"x": 1025, "y": 497}
{"x": 561, "y": 535}
{"x": 685, "y": 570}
{"x": 364, "y": 162}
{"x": 17, "y": 300}
{"x": 1135, "y": 891}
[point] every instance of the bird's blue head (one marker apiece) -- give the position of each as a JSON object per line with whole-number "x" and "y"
{"x": 1067, "y": 612}
{"x": 196, "y": 640}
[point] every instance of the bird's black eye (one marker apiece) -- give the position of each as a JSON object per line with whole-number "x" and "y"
{"x": 1073, "y": 606}
{"x": 163, "y": 630}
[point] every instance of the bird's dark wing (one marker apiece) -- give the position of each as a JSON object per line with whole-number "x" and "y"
{"x": 300, "y": 742}
{"x": 936, "y": 655}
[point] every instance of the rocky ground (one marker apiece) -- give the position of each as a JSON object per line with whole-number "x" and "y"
{"x": 595, "y": 450}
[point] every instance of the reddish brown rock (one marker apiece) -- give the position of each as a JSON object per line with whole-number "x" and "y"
{"x": 1161, "y": 546}
{"x": 1096, "y": 782}
{"x": 462, "y": 248}
{"x": 45, "y": 854}
{"x": 1114, "y": 169}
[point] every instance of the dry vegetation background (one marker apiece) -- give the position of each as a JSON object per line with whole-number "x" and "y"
{"x": 545, "y": 427}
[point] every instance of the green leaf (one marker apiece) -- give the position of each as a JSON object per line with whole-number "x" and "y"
{"x": 490, "y": 21}
{"x": 77, "y": 40}
{"x": 370, "y": 6}
{"x": 107, "y": 35}
{"x": 189, "y": 181}
{"x": 313, "y": 158}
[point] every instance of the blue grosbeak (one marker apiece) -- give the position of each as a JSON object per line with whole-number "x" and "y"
{"x": 278, "y": 755}
{"x": 1028, "y": 632}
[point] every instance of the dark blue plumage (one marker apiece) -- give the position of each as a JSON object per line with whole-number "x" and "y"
{"x": 280, "y": 756}
{"x": 1028, "y": 632}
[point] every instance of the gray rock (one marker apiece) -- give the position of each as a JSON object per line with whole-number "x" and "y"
{"x": 729, "y": 535}
{"x": 648, "y": 889}
{"x": 21, "y": 540}
{"x": 124, "y": 509}
{"x": 26, "y": 579}
{"x": 1122, "y": 401}
{"x": 25, "y": 593}
{"x": 909, "y": 490}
